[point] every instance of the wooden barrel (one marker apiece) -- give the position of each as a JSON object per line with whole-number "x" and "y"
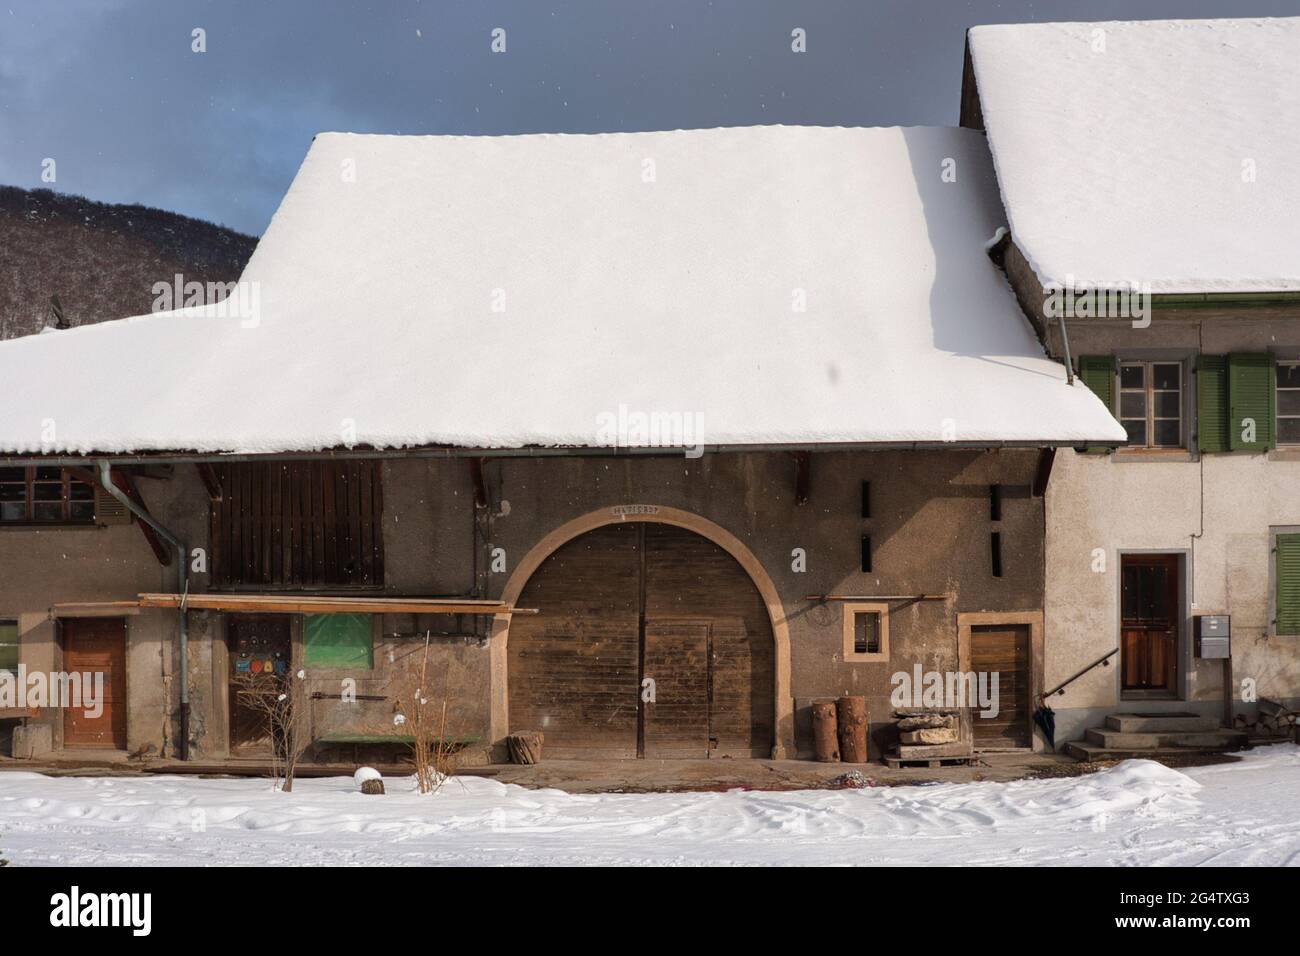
{"x": 852, "y": 716}
{"x": 825, "y": 746}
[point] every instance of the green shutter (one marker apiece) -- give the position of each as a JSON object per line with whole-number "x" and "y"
{"x": 1098, "y": 373}
{"x": 1287, "y": 570}
{"x": 338, "y": 640}
{"x": 1212, "y": 402}
{"x": 1250, "y": 398}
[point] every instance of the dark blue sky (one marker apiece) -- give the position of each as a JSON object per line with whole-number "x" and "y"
{"x": 111, "y": 90}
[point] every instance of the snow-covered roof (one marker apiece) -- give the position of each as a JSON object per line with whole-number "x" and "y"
{"x": 765, "y": 285}
{"x": 1163, "y": 152}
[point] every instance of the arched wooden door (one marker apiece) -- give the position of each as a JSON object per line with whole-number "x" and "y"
{"x": 642, "y": 610}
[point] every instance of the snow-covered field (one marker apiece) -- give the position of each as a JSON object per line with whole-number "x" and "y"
{"x": 1139, "y": 812}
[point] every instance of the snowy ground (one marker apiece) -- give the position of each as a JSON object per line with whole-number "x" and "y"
{"x": 1139, "y": 812}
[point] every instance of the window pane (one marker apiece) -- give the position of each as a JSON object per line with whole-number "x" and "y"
{"x": 1288, "y": 431}
{"x": 8, "y": 646}
{"x": 1288, "y": 403}
{"x": 1167, "y": 405}
{"x": 866, "y": 632}
{"x": 1133, "y": 405}
{"x": 1165, "y": 375}
{"x": 1137, "y": 432}
{"x": 1288, "y": 376}
{"x": 1167, "y": 434}
{"x": 1132, "y": 376}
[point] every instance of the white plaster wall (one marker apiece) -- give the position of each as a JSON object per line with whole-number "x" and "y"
{"x": 1102, "y": 501}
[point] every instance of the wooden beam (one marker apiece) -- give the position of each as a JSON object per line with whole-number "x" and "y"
{"x": 94, "y": 608}
{"x": 313, "y": 604}
{"x": 802, "y": 476}
{"x": 876, "y": 597}
{"x": 1046, "y": 457}
{"x": 211, "y": 481}
{"x": 160, "y": 550}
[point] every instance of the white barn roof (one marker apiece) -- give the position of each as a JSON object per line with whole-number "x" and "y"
{"x": 1165, "y": 151}
{"x": 499, "y": 292}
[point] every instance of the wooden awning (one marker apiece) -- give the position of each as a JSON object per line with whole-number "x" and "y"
{"x": 296, "y": 604}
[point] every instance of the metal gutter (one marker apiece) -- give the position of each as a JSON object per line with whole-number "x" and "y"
{"x": 182, "y": 588}
{"x": 1212, "y": 299}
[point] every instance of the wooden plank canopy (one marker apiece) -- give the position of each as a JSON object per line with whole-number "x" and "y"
{"x": 313, "y": 604}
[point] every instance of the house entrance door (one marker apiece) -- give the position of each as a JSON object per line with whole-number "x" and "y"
{"x": 1149, "y": 623}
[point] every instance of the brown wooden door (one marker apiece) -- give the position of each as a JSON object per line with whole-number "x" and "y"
{"x": 573, "y": 666}
{"x": 1003, "y": 649}
{"x": 1149, "y": 615}
{"x": 635, "y": 601}
{"x": 255, "y": 645}
{"x": 97, "y": 646}
{"x": 677, "y": 659}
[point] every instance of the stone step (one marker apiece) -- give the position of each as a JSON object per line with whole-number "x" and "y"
{"x": 1087, "y": 752}
{"x": 1119, "y": 740}
{"x": 1160, "y": 723}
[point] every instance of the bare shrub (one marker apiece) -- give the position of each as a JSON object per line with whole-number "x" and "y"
{"x": 282, "y": 701}
{"x": 419, "y": 714}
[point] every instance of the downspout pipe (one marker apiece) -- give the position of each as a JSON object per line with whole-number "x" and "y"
{"x": 182, "y": 588}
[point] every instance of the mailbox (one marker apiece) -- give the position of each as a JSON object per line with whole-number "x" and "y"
{"x": 1214, "y": 637}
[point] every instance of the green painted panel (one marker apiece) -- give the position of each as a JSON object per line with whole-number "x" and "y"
{"x": 338, "y": 640}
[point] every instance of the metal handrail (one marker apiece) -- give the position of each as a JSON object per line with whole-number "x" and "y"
{"x": 1104, "y": 661}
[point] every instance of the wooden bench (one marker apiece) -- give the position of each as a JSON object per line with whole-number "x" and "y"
{"x": 355, "y": 742}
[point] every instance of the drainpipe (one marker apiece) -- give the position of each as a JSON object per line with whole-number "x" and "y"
{"x": 182, "y": 588}
{"x": 1065, "y": 346}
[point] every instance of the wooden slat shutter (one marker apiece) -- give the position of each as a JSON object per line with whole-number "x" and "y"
{"x": 1098, "y": 373}
{"x": 1212, "y": 403}
{"x": 307, "y": 524}
{"x": 1287, "y": 572}
{"x": 1250, "y": 399}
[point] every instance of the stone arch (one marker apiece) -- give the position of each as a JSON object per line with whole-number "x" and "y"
{"x": 782, "y": 705}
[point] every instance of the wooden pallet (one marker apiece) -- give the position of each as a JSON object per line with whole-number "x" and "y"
{"x": 956, "y": 760}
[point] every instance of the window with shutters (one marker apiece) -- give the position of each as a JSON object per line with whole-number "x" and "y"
{"x": 297, "y": 525}
{"x": 866, "y": 632}
{"x": 1286, "y": 582}
{"x": 42, "y": 494}
{"x": 1151, "y": 404}
{"x": 1288, "y": 403}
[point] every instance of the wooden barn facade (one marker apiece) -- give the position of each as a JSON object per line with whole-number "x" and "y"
{"x": 493, "y": 402}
